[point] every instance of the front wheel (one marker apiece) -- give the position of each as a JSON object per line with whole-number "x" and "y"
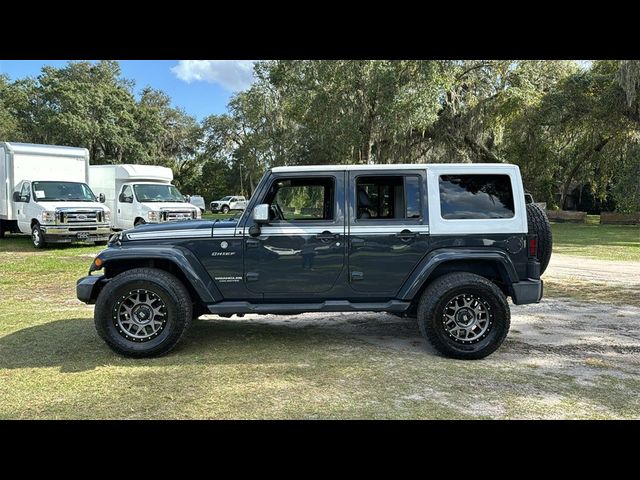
{"x": 464, "y": 315}
{"x": 225, "y": 209}
{"x": 37, "y": 237}
{"x": 143, "y": 312}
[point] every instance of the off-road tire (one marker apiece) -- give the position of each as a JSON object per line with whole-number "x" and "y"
{"x": 434, "y": 301}
{"x": 37, "y": 237}
{"x": 163, "y": 284}
{"x": 538, "y": 224}
{"x": 225, "y": 209}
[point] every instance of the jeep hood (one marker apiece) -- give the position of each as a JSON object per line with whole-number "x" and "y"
{"x": 164, "y": 229}
{"x": 169, "y": 206}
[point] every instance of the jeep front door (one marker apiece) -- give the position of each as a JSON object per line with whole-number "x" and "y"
{"x": 302, "y": 249}
{"x": 388, "y": 230}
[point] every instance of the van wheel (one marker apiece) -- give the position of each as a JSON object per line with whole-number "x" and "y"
{"x": 225, "y": 209}
{"x": 139, "y": 221}
{"x": 37, "y": 237}
{"x": 464, "y": 315}
{"x": 143, "y": 312}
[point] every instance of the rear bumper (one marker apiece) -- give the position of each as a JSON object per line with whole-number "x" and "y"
{"x": 66, "y": 233}
{"x": 88, "y": 288}
{"x": 527, "y": 291}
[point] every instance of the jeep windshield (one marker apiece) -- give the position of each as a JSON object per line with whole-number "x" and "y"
{"x": 157, "y": 193}
{"x": 225, "y": 199}
{"x": 62, "y": 192}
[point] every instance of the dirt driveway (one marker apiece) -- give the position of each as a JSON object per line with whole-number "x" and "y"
{"x": 563, "y": 358}
{"x": 592, "y": 270}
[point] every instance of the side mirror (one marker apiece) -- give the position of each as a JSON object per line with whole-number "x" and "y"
{"x": 16, "y": 197}
{"x": 102, "y": 198}
{"x": 261, "y": 213}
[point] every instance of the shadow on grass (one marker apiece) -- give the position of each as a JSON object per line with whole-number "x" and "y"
{"x": 22, "y": 243}
{"x": 74, "y": 346}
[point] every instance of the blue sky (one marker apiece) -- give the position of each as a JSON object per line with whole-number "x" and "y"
{"x": 201, "y": 87}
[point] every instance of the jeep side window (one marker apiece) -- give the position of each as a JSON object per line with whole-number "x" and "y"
{"x": 476, "y": 196}
{"x": 302, "y": 199}
{"x": 380, "y": 197}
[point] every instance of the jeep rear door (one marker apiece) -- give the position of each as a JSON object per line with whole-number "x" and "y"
{"x": 388, "y": 228}
{"x": 302, "y": 249}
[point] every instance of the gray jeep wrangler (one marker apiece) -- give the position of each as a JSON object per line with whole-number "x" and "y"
{"x": 443, "y": 243}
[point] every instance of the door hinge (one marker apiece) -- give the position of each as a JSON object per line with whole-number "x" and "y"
{"x": 355, "y": 276}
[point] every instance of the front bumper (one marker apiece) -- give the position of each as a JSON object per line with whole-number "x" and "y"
{"x": 527, "y": 291}
{"x": 73, "y": 233}
{"x": 88, "y": 288}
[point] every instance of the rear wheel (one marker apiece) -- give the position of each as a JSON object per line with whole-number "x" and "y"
{"x": 37, "y": 237}
{"x": 139, "y": 221}
{"x": 143, "y": 312}
{"x": 464, "y": 315}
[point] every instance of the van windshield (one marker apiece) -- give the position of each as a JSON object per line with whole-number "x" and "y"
{"x": 157, "y": 193}
{"x": 62, "y": 192}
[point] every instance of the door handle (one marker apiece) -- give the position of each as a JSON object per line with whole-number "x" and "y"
{"x": 251, "y": 243}
{"x": 327, "y": 236}
{"x": 406, "y": 235}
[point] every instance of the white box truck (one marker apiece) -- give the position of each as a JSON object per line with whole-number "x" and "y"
{"x": 138, "y": 194}
{"x": 44, "y": 193}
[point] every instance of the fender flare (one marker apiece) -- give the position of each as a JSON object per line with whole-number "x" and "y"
{"x": 182, "y": 258}
{"x": 431, "y": 261}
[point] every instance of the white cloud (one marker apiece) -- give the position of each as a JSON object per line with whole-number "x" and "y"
{"x": 233, "y": 75}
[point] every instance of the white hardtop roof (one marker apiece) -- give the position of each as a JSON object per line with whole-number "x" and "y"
{"x": 398, "y": 166}
{"x": 55, "y": 150}
{"x": 137, "y": 172}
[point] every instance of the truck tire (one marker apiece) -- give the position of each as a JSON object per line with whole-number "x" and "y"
{"x": 464, "y": 315}
{"x": 143, "y": 312}
{"x": 538, "y": 224}
{"x": 225, "y": 209}
{"x": 37, "y": 237}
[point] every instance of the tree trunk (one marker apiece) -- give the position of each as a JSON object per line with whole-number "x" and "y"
{"x": 576, "y": 166}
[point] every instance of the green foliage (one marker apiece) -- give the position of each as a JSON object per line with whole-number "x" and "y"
{"x": 564, "y": 126}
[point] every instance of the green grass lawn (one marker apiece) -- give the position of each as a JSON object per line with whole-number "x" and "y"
{"x": 606, "y": 242}
{"x": 53, "y": 365}
{"x": 212, "y": 216}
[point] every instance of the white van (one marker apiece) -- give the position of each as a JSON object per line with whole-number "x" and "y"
{"x": 139, "y": 194}
{"x": 44, "y": 193}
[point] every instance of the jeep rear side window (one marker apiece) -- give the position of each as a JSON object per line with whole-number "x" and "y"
{"x": 380, "y": 197}
{"x": 302, "y": 199}
{"x": 476, "y": 196}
